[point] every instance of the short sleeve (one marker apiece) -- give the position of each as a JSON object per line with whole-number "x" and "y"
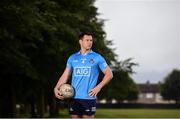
{"x": 102, "y": 63}
{"x": 69, "y": 63}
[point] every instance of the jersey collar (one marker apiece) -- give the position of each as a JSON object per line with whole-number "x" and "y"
{"x": 86, "y": 53}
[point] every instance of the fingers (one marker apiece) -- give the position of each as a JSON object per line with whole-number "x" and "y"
{"x": 92, "y": 93}
{"x": 58, "y": 95}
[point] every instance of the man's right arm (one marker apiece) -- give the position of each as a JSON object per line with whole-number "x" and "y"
{"x": 63, "y": 79}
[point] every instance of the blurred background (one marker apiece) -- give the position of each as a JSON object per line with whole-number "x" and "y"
{"x": 140, "y": 39}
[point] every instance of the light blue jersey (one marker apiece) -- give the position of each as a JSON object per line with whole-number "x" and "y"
{"x": 85, "y": 71}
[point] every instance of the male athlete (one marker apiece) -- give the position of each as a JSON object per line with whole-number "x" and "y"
{"x": 85, "y": 66}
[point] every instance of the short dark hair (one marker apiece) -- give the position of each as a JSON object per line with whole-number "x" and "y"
{"x": 84, "y": 33}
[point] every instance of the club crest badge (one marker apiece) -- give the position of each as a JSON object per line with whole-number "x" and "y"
{"x": 91, "y": 61}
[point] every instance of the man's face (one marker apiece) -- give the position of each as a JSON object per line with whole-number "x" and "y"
{"x": 86, "y": 42}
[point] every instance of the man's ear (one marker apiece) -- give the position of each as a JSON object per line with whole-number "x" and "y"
{"x": 80, "y": 41}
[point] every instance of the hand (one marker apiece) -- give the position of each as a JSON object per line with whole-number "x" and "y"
{"x": 58, "y": 94}
{"x": 94, "y": 91}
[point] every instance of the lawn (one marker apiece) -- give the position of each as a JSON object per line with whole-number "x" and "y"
{"x": 132, "y": 113}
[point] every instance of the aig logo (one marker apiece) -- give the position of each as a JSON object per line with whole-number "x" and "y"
{"x": 82, "y": 71}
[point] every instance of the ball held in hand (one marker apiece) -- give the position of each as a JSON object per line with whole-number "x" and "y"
{"x": 66, "y": 90}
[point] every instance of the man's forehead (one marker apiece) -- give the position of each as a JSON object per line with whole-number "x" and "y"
{"x": 87, "y": 37}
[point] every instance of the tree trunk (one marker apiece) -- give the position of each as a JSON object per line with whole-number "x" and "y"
{"x": 33, "y": 109}
{"x": 53, "y": 109}
{"x": 8, "y": 102}
{"x": 41, "y": 104}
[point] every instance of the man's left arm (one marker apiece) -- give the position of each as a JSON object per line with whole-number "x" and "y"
{"x": 108, "y": 75}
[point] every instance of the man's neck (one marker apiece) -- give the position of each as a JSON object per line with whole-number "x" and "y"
{"x": 85, "y": 51}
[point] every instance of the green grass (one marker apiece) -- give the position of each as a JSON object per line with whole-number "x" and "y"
{"x": 138, "y": 113}
{"x": 132, "y": 113}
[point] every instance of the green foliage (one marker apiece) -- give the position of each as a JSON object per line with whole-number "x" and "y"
{"x": 37, "y": 37}
{"x": 171, "y": 86}
{"x": 122, "y": 87}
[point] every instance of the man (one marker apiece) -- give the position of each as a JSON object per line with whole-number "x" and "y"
{"x": 85, "y": 66}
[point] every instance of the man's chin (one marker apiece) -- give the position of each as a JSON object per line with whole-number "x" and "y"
{"x": 88, "y": 48}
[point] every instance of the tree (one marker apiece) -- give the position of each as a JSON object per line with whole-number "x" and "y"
{"x": 122, "y": 86}
{"x": 171, "y": 86}
{"x": 36, "y": 38}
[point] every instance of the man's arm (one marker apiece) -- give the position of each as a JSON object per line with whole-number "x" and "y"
{"x": 108, "y": 75}
{"x": 63, "y": 79}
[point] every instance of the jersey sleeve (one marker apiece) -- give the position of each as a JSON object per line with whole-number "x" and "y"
{"x": 69, "y": 63}
{"x": 102, "y": 63}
